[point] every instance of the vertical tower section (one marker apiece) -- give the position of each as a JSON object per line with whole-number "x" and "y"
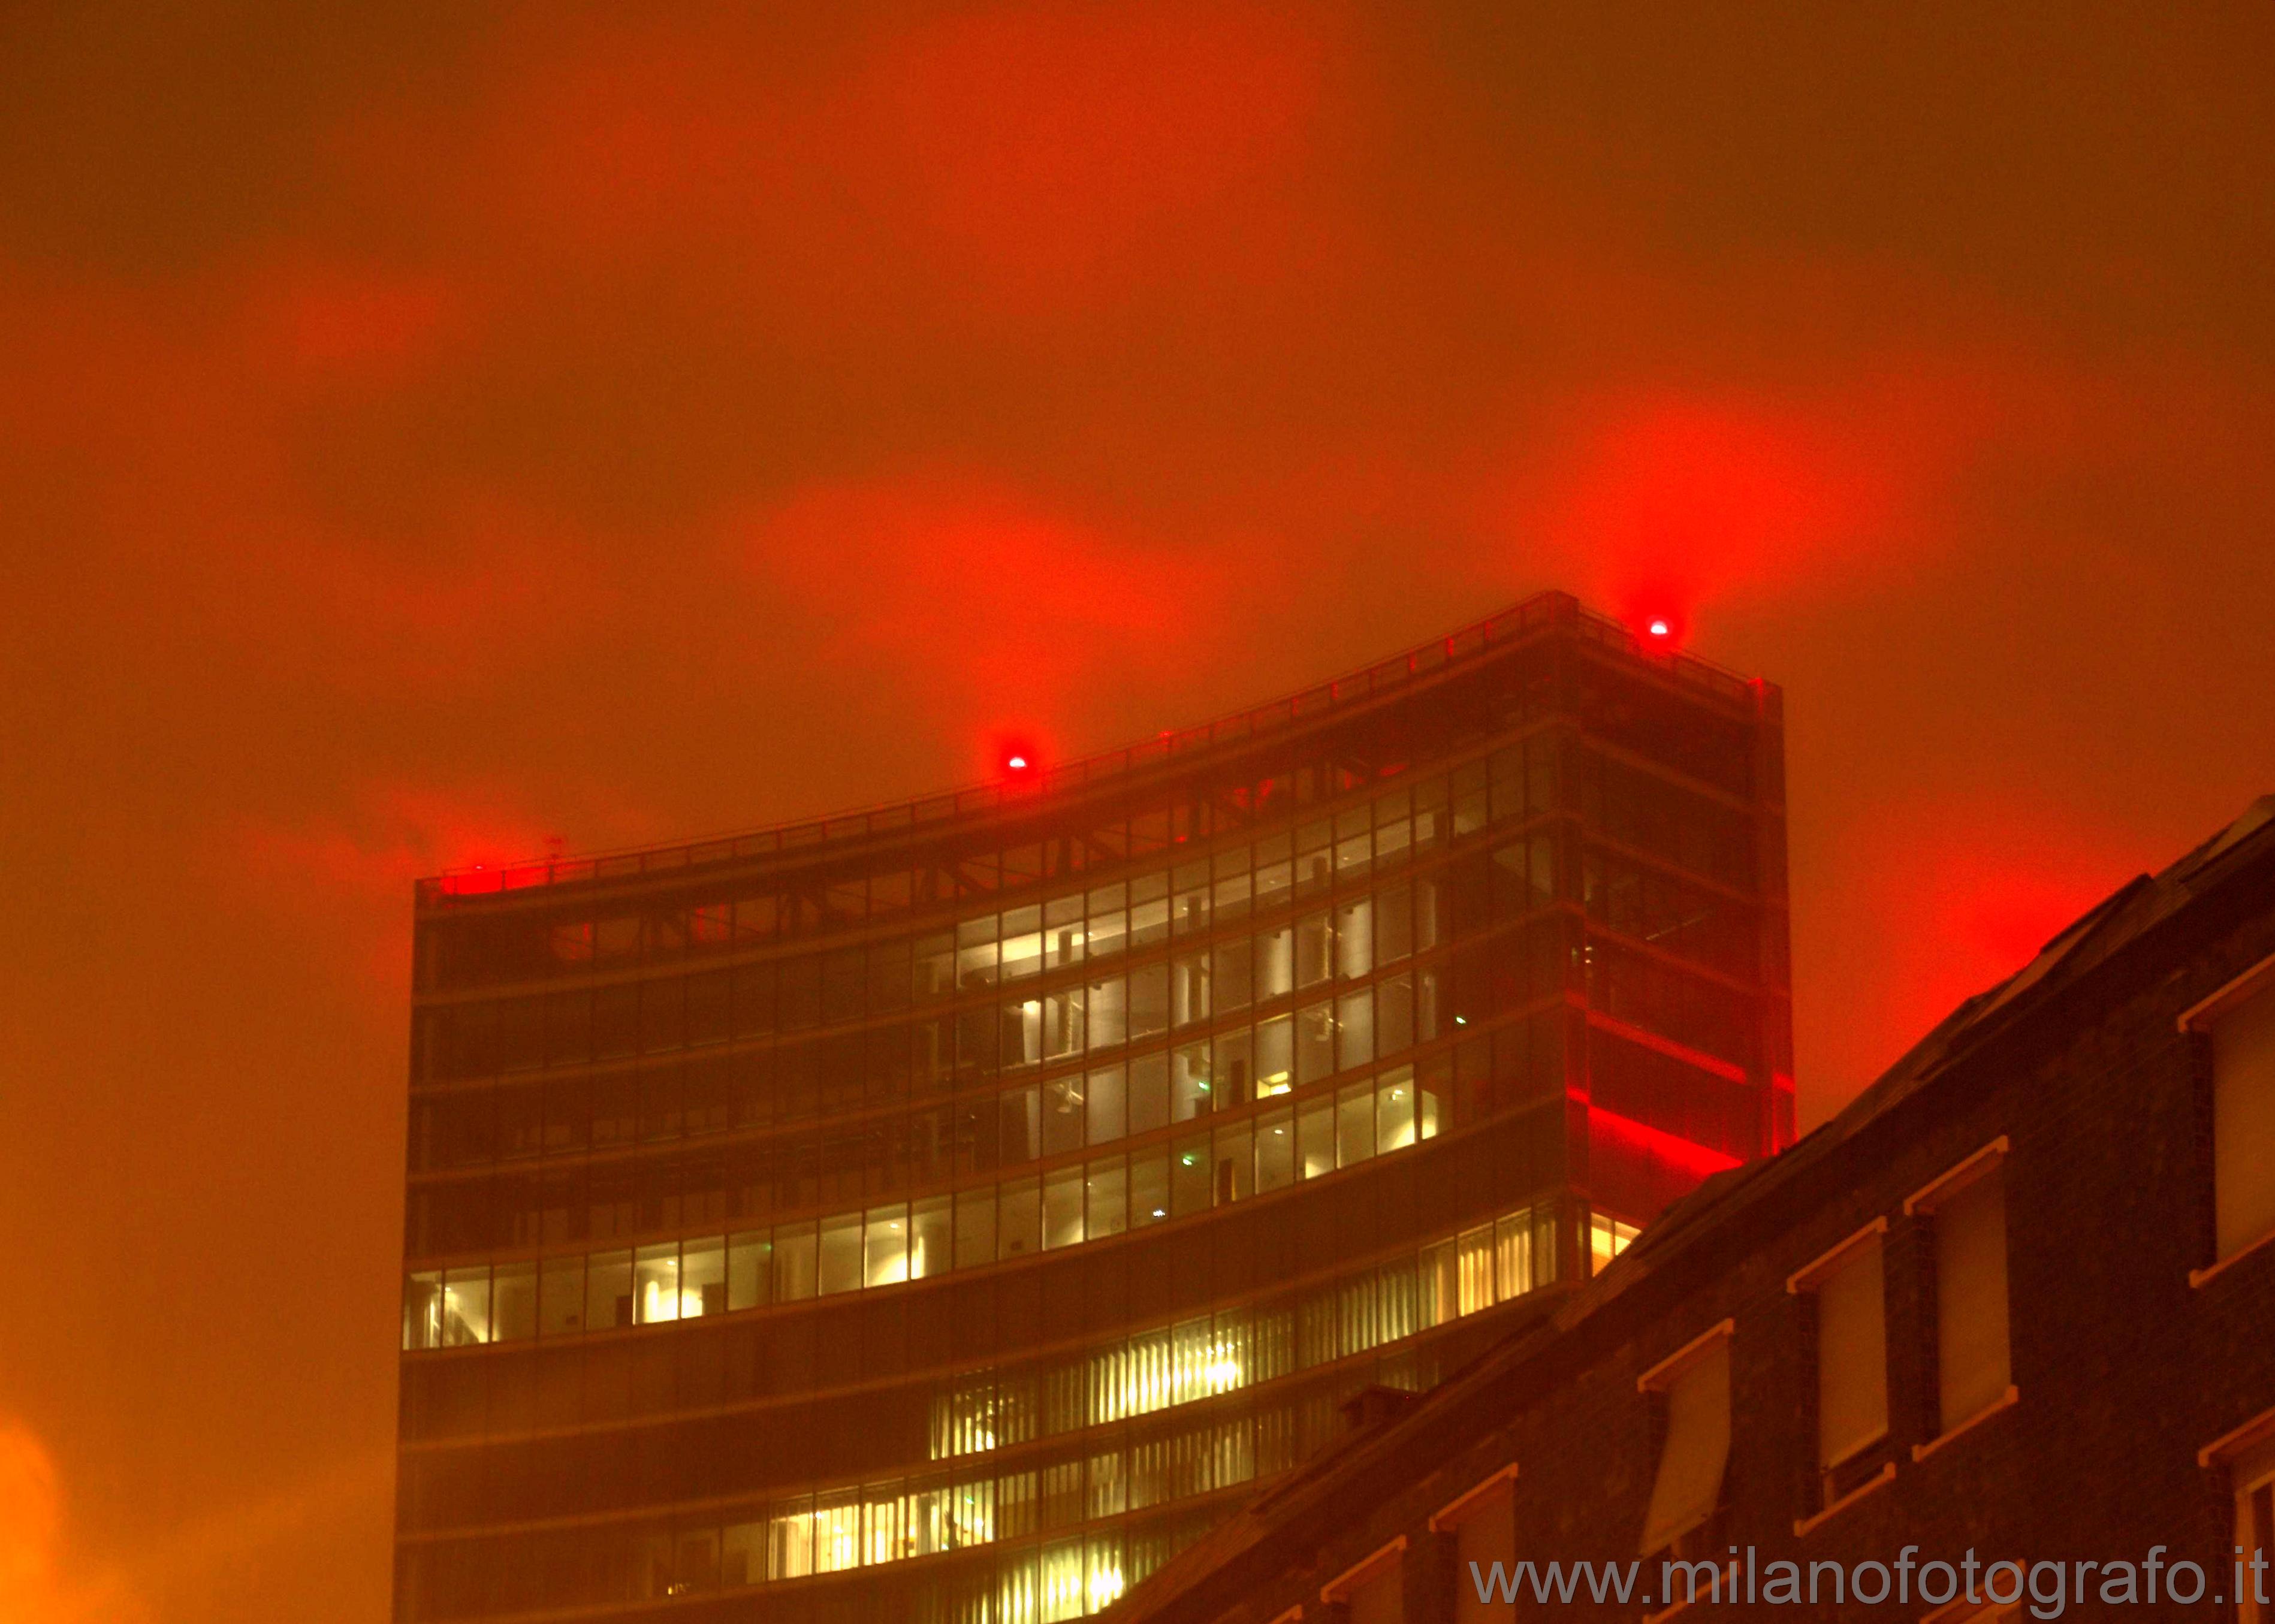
{"x": 1676, "y": 773}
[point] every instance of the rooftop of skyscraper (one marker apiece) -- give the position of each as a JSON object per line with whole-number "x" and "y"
{"x": 1654, "y": 640}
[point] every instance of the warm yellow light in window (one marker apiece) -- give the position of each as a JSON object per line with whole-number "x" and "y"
{"x": 1106, "y": 1586}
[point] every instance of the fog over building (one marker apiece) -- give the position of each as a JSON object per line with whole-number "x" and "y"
{"x": 953, "y": 1211}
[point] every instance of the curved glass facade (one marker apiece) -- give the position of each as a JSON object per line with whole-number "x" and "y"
{"x": 948, "y": 1212}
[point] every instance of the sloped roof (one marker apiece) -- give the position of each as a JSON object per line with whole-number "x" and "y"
{"x": 2090, "y": 940}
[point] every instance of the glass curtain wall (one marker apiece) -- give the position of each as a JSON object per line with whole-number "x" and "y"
{"x": 966, "y": 1219}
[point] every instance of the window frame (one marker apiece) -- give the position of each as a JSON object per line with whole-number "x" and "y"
{"x": 1922, "y": 1203}
{"x": 1369, "y": 1568}
{"x": 2222, "y": 1455}
{"x": 2196, "y": 1023}
{"x": 1656, "y": 1383}
{"x": 1804, "y": 1283}
{"x": 1478, "y": 1500}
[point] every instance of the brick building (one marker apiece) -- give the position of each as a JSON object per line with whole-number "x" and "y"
{"x": 2014, "y": 1301}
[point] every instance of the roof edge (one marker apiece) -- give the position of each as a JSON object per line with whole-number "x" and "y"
{"x": 1542, "y": 612}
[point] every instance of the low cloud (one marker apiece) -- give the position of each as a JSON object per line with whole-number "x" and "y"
{"x": 988, "y": 609}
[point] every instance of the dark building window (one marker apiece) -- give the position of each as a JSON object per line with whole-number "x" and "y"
{"x": 1692, "y": 1400}
{"x": 1844, "y": 1298}
{"x": 1965, "y": 1212}
{"x": 2242, "y": 1037}
{"x": 1479, "y": 1533}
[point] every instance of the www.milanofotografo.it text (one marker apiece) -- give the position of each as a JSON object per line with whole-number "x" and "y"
{"x": 2046, "y": 1589}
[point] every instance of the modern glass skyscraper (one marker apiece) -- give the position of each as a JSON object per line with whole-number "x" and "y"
{"x": 948, "y": 1212}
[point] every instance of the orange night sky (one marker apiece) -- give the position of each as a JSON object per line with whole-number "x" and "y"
{"x": 429, "y": 433}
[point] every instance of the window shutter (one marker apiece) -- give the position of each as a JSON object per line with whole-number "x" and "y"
{"x": 1379, "y": 1599}
{"x": 1852, "y": 1358}
{"x": 1371, "y": 1592}
{"x": 2243, "y": 1122}
{"x": 1972, "y": 1367}
{"x": 2251, "y": 1476}
{"x": 1690, "y": 1481}
{"x": 1487, "y": 1534}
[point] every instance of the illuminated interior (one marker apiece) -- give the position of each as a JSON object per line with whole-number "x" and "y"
{"x": 983, "y": 1198}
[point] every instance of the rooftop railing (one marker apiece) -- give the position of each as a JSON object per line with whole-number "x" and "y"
{"x": 1535, "y": 614}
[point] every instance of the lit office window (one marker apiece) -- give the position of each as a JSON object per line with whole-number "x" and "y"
{"x": 1354, "y": 1028}
{"x": 1478, "y": 1287}
{"x": 422, "y": 1310}
{"x": 1022, "y": 953}
{"x": 465, "y": 1307}
{"x": 1063, "y": 1196}
{"x": 1274, "y": 963}
{"x": 1314, "y": 949}
{"x": 1060, "y": 1582}
{"x": 1020, "y": 1221}
{"x": 1395, "y": 1124}
{"x": 1190, "y": 982}
{"x": 840, "y": 1253}
{"x": 1062, "y": 933}
{"x": 789, "y": 1540}
{"x": 1275, "y": 1062}
{"x": 742, "y": 1553}
{"x": 1105, "y": 1104}
{"x": 1516, "y": 1269}
{"x": 1355, "y": 937}
{"x": 886, "y": 1248}
{"x": 702, "y": 1278}
{"x": 1106, "y": 1581}
{"x": 1106, "y": 1197}
{"x": 931, "y": 1248}
{"x": 1149, "y": 1001}
{"x": 1275, "y": 1150}
{"x": 1607, "y": 1238}
{"x": 655, "y": 1283}
{"x": 837, "y": 1531}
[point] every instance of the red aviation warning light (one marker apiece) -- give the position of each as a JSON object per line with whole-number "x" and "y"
{"x": 1657, "y": 630}
{"x": 1015, "y": 755}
